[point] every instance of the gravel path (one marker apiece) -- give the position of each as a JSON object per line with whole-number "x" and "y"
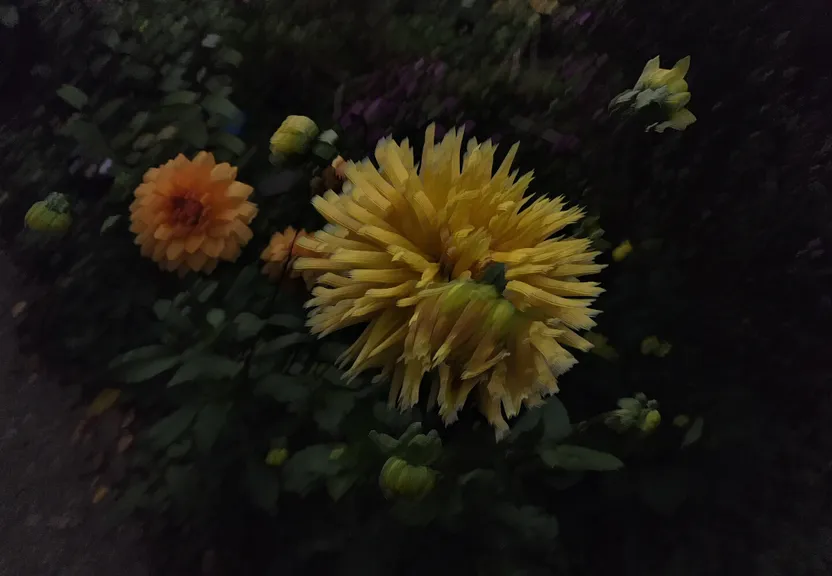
{"x": 48, "y": 524}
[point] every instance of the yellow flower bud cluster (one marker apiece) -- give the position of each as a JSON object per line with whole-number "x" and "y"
{"x": 664, "y": 86}
{"x": 398, "y": 478}
{"x": 636, "y": 412}
{"x": 676, "y": 88}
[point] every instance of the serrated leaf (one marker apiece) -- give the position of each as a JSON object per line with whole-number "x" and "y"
{"x": 137, "y": 354}
{"x": 530, "y": 522}
{"x": 694, "y": 433}
{"x": 109, "y": 37}
{"x": 248, "y": 325}
{"x": 143, "y": 370}
{"x": 337, "y": 405}
{"x": 89, "y": 138}
{"x": 179, "y": 449}
{"x": 282, "y": 342}
{"x": 215, "y": 317}
{"x": 207, "y": 291}
{"x": 229, "y": 142}
{"x": 9, "y": 16}
{"x": 73, "y": 96}
{"x": 423, "y": 449}
{"x": 109, "y": 222}
{"x": 181, "y": 97}
{"x": 286, "y": 321}
{"x": 209, "y": 424}
{"x": 167, "y": 430}
{"x": 306, "y": 468}
{"x": 230, "y": 56}
{"x": 212, "y": 367}
{"x": 340, "y": 485}
{"x": 221, "y": 106}
{"x": 284, "y": 388}
{"x": 556, "y": 425}
{"x": 577, "y": 458}
{"x": 386, "y": 443}
{"x": 138, "y": 71}
{"x": 161, "y": 308}
{"x": 194, "y": 132}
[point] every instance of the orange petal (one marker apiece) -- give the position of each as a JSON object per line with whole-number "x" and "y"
{"x": 193, "y": 243}
{"x": 175, "y": 249}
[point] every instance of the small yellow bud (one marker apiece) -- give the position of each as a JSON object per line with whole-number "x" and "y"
{"x": 650, "y": 421}
{"x": 337, "y": 453}
{"x": 276, "y": 456}
{"x": 294, "y": 135}
{"x": 681, "y": 421}
{"x": 622, "y": 251}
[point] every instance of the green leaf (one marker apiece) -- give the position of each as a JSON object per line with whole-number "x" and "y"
{"x": 99, "y": 62}
{"x": 576, "y": 458}
{"x": 181, "y": 97}
{"x": 386, "y": 443}
{"x": 339, "y": 485}
{"x": 109, "y": 37}
{"x": 337, "y": 405}
{"x": 287, "y": 321}
{"x": 283, "y": 388}
{"x": 138, "y": 71}
{"x": 143, "y": 370}
{"x": 556, "y": 425}
{"x": 143, "y": 353}
{"x": 173, "y": 80}
{"x": 230, "y": 56}
{"x": 423, "y": 449}
{"x": 179, "y": 449}
{"x": 9, "y": 16}
{"x": 215, "y": 317}
{"x": 207, "y": 291}
{"x": 282, "y": 342}
{"x": 89, "y": 137}
{"x": 241, "y": 286}
{"x": 212, "y": 366}
{"x": 209, "y": 424}
{"x": 694, "y": 433}
{"x": 229, "y": 142}
{"x": 263, "y": 485}
{"x": 526, "y": 423}
{"x": 304, "y": 469}
{"x": 220, "y": 106}
{"x": 248, "y": 325}
{"x": 73, "y": 96}
{"x": 109, "y": 221}
{"x": 167, "y": 430}
{"x": 194, "y": 132}
{"x": 530, "y": 522}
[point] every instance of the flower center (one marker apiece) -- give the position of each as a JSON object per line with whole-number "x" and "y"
{"x": 186, "y": 211}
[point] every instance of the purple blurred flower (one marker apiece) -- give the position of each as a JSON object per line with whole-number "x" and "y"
{"x": 586, "y": 15}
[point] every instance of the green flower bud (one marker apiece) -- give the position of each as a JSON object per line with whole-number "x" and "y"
{"x": 650, "y": 421}
{"x": 293, "y": 136}
{"x": 276, "y": 456}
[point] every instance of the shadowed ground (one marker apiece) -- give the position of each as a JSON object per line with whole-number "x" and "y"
{"x": 48, "y": 524}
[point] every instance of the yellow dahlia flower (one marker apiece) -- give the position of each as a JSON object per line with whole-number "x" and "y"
{"x": 189, "y": 214}
{"x": 412, "y": 250}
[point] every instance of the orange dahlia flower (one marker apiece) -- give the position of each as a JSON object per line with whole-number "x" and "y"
{"x": 189, "y": 214}
{"x": 282, "y": 252}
